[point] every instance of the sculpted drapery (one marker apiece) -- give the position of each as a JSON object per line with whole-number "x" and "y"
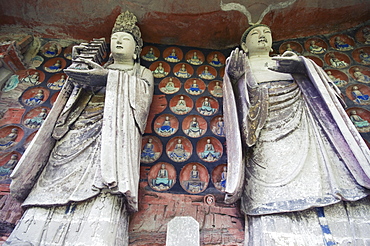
{"x": 294, "y": 147}
{"x": 84, "y": 185}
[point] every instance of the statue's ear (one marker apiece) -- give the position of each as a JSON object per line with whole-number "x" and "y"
{"x": 134, "y": 56}
{"x": 244, "y": 47}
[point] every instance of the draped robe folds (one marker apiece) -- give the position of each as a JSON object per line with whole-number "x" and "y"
{"x": 98, "y": 154}
{"x": 301, "y": 150}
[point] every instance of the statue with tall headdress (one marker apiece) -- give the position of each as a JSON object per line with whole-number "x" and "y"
{"x": 79, "y": 177}
{"x": 295, "y": 152}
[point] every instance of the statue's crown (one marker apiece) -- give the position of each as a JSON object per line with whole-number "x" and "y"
{"x": 126, "y": 22}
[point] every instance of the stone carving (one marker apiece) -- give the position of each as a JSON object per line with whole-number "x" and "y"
{"x": 207, "y": 106}
{"x": 301, "y": 149}
{"x": 336, "y": 62}
{"x": 85, "y": 158}
{"x": 194, "y": 130}
{"x": 54, "y": 67}
{"x": 182, "y": 104}
{"x": 194, "y": 88}
{"x": 195, "y": 59}
{"x": 58, "y": 84}
{"x": 339, "y": 44}
{"x": 206, "y": 74}
{"x": 7, "y": 169}
{"x": 150, "y": 55}
{"x": 208, "y": 152}
{"x": 364, "y": 57}
{"x": 152, "y": 149}
{"x": 316, "y": 49}
{"x": 360, "y": 76}
{"x": 218, "y": 126}
{"x": 337, "y": 81}
{"x": 215, "y": 88}
{"x": 194, "y": 178}
{"x": 359, "y": 97}
{"x": 160, "y": 72}
{"x": 169, "y": 86}
{"x": 33, "y": 79}
{"x": 9, "y": 140}
{"x": 164, "y": 177}
{"x": 179, "y": 149}
{"x": 183, "y": 72}
{"x": 361, "y": 124}
{"x": 36, "y": 99}
{"x": 166, "y": 125}
{"x": 36, "y": 122}
{"x": 172, "y": 57}
{"x": 51, "y": 49}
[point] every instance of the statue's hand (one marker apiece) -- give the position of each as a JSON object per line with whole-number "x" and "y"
{"x": 87, "y": 73}
{"x": 289, "y": 62}
{"x": 236, "y": 65}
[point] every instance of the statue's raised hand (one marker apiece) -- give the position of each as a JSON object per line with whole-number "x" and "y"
{"x": 236, "y": 64}
{"x": 289, "y": 62}
{"x": 87, "y": 73}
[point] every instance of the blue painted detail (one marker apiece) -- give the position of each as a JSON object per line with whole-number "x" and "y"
{"x": 325, "y": 229}
{"x": 320, "y": 212}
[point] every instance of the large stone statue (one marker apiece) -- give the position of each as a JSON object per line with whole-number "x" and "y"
{"x": 295, "y": 149}
{"x": 82, "y": 188}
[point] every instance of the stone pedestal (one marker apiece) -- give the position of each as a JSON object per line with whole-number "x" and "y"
{"x": 183, "y": 231}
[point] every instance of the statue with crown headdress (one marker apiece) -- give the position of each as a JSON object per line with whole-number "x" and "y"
{"x": 296, "y": 153}
{"x": 79, "y": 177}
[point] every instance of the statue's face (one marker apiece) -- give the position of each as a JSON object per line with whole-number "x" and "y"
{"x": 259, "y": 39}
{"x": 123, "y": 43}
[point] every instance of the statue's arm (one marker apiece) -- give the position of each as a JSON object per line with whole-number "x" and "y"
{"x": 289, "y": 62}
{"x": 91, "y": 75}
{"x": 235, "y": 161}
{"x": 235, "y": 68}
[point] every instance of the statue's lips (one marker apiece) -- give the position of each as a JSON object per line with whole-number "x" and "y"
{"x": 119, "y": 47}
{"x": 264, "y": 40}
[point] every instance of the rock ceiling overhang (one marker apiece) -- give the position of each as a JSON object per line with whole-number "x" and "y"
{"x": 212, "y": 24}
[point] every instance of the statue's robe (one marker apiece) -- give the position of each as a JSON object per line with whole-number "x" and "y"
{"x": 90, "y": 179}
{"x": 296, "y": 148}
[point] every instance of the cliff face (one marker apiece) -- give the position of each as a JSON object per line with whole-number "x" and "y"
{"x": 211, "y": 24}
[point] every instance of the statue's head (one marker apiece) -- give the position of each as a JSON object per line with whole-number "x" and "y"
{"x": 125, "y": 27}
{"x": 257, "y": 38}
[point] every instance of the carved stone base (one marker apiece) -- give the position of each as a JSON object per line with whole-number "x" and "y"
{"x": 102, "y": 220}
{"x": 345, "y": 223}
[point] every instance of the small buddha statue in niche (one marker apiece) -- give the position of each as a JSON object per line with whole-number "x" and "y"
{"x": 159, "y": 72}
{"x": 150, "y": 56}
{"x": 181, "y": 107}
{"x": 206, "y": 74}
{"x": 316, "y": 49}
{"x": 209, "y": 153}
{"x": 341, "y": 45}
{"x": 183, "y": 72}
{"x": 194, "y": 88}
{"x": 361, "y": 124}
{"x": 36, "y": 99}
{"x": 361, "y": 77}
{"x": 359, "y": 97}
{"x": 337, "y": 81}
{"x": 194, "y": 129}
{"x": 194, "y": 60}
{"x": 336, "y": 63}
{"x": 179, "y": 154}
{"x": 172, "y": 57}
